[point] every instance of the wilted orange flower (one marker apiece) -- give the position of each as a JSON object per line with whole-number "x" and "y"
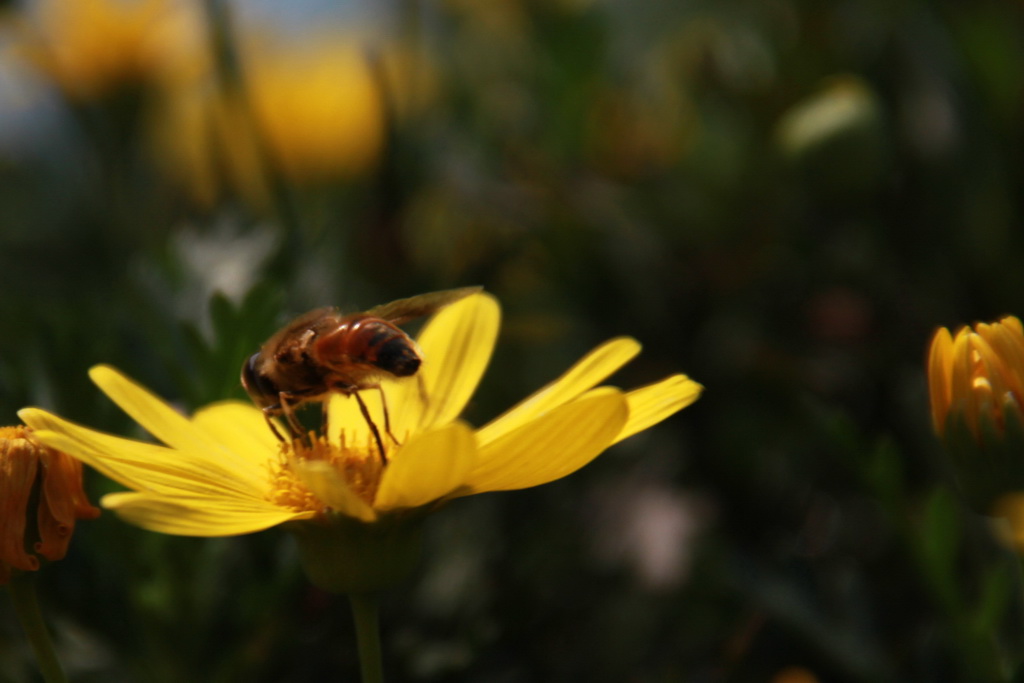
{"x": 28, "y": 468}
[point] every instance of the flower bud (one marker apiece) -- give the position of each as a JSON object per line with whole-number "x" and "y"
{"x": 976, "y": 379}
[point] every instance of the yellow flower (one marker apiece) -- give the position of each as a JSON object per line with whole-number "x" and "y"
{"x": 311, "y": 116}
{"x": 319, "y": 111}
{"x": 90, "y": 48}
{"x": 222, "y": 472}
{"x": 29, "y": 469}
{"x": 976, "y": 379}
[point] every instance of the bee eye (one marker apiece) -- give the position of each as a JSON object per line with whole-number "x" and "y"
{"x": 260, "y": 389}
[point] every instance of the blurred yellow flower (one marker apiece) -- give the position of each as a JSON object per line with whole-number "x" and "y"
{"x": 976, "y": 379}
{"x": 836, "y": 135}
{"x": 33, "y": 474}
{"x": 319, "y": 111}
{"x": 90, "y": 48}
{"x": 311, "y": 115}
{"x": 222, "y": 472}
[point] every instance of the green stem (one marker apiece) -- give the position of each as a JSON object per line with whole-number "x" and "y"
{"x": 1004, "y": 534}
{"x": 364, "y": 612}
{"x": 26, "y": 606}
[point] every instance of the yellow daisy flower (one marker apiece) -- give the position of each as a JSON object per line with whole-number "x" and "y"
{"x": 222, "y": 472}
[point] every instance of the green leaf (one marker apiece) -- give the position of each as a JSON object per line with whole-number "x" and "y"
{"x": 941, "y": 532}
{"x": 996, "y": 589}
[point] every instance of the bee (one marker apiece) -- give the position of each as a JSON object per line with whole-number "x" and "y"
{"x": 324, "y": 352}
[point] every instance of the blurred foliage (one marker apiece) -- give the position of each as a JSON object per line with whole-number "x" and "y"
{"x": 780, "y": 198}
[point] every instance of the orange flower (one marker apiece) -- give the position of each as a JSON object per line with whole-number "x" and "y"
{"x": 976, "y": 381}
{"x": 977, "y": 377}
{"x": 26, "y": 464}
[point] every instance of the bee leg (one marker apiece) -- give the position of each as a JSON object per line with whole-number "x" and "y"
{"x": 422, "y": 385}
{"x": 373, "y": 427}
{"x": 387, "y": 417}
{"x": 294, "y": 426}
{"x": 270, "y": 423}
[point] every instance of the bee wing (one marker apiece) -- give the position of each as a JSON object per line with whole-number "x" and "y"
{"x": 296, "y": 326}
{"x": 417, "y": 306}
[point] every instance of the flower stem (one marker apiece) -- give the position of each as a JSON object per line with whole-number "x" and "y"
{"x": 26, "y": 606}
{"x": 365, "y": 614}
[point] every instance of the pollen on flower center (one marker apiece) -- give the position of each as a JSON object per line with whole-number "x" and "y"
{"x": 359, "y": 466}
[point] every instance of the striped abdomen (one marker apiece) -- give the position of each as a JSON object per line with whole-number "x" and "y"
{"x": 368, "y": 341}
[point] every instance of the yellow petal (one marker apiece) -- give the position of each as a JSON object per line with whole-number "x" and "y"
{"x": 240, "y": 428}
{"x": 158, "y": 418}
{"x": 651, "y": 404}
{"x": 343, "y": 414}
{"x": 330, "y": 487}
{"x": 1008, "y": 344}
{"x": 978, "y": 377}
{"x": 429, "y": 467}
{"x": 457, "y": 344}
{"x": 406, "y": 401}
{"x": 940, "y": 363}
{"x": 961, "y": 376}
{"x": 200, "y": 516}
{"x": 584, "y": 375}
{"x": 552, "y": 446}
{"x": 143, "y": 466}
{"x": 1013, "y": 322}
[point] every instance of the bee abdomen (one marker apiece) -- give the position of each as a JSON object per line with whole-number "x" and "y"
{"x": 387, "y": 347}
{"x": 374, "y": 342}
{"x": 398, "y": 356}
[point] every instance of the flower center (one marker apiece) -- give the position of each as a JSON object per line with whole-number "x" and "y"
{"x": 358, "y": 466}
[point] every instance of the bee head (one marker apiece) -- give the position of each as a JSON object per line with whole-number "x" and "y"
{"x": 260, "y": 389}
